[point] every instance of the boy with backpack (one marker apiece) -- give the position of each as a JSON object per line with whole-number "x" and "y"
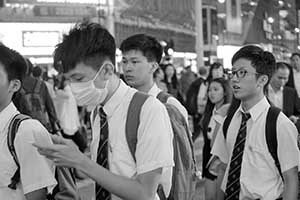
{"x": 86, "y": 56}
{"x": 24, "y": 173}
{"x": 141, "y": 57}
{"x": 258, "y": 143}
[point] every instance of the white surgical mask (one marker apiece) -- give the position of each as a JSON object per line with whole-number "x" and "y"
{"x": 86, "y": 93}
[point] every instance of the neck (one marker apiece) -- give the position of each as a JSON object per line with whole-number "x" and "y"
{"x": 248, "y": 104}
{"x": 113, "y": 86}
{"x": 4, "y": 105}
{"x": 146, "y": 87}
{"x": 219, "y": 104}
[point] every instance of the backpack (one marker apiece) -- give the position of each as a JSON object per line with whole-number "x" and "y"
{"x": 270, "y": 132}
{"x": 32, "y": 104}
{"x": 66, "y": 187}
{"x": 184, "y": 171}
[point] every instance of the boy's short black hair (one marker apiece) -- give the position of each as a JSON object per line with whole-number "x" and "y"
{"x": 148, "y": 45}
{"x": 89, "y": 43}
{"x": 13, "y": 63}
{"x": 262, "y": 61}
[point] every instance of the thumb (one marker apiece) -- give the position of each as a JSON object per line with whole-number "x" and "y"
{"x": 58, "y": 139}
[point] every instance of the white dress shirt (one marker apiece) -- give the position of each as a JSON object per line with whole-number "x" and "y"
{"x": 36, "y": 172}
{"x": 154, "y": 91}
{"x": 154, "y": 147}
{"x": 297, "y": 80}
{"x": 276, "y": 97}
{"x": 259, "y": 178}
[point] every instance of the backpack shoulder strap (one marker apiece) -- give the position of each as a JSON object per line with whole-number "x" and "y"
{"x": 133, "y": 120}
{"x": 163, "y": 96}
{"x": 271, "y": 135}
{"x": 227, "y": 122}
{"x": 11, "y": 135}
{"x": 37, "y": 86}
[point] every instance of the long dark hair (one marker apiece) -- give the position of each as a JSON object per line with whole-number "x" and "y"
{"x": 174, "y": 80}
{"x": 210, "y": 106}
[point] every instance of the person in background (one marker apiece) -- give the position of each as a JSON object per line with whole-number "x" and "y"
{"x": 216, "y": 70}
{"x": 173, "y": 85}
{"x": 282, "y": 96}
{"x": 186, "y": 79}
{"x": 196, "y": 101}
{"x": 294, "y": 77}
{"x": 37, "y": 72}
{"x": 219, "y": 98}
{"x": 33, "y": 99}
{"x": 158, "y": 77}
{"x": 68, "y": 114}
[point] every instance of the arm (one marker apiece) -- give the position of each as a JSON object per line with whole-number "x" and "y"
{"x": 37, "y": 194}
{"x": 290, "y": 184}
{"x": 142, "y": 188}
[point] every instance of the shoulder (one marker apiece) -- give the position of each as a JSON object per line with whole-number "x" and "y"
{"x": 27, "y": 129}
{"x": 290, "y": 89}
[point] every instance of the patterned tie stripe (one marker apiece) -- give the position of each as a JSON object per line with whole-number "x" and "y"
{"x": 102, "y": 154}
{"x": 233, "y": 181}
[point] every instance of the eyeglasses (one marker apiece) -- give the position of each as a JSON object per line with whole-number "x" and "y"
{"x": 241, "y": 73}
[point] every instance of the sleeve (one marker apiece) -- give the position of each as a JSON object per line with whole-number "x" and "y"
{"x": 155, "y": 138}
{"x": 219, "y": 147}
{"x": 288, "y": 152}
{"x": 36, "y": 171}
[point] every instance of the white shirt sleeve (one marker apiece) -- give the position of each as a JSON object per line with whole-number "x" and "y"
{"x": 219, "y": 148}
{"x": 35, "y": 170}
{"x": 155, "y": 138}
{"x": 288, "y": 152}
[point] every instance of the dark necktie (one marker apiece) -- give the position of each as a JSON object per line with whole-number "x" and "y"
{"x": 102, "y": 154}
{"x": 233, "y": 182}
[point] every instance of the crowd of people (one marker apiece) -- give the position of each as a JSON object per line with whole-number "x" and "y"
{"x": 141, "y": 160}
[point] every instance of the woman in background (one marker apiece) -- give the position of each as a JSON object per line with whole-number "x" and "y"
{"x": 219, "y": 98}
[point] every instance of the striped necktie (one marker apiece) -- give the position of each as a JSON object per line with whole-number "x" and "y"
{"x": 102, "y": 154}
{"x": 233, "y": 182}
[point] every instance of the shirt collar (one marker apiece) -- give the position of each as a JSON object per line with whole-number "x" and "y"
{"x": 6, "y": 114}
{"x": 116, "y": 99}
{"x": 257, "y": 109}
{"x": 154, "y": 91}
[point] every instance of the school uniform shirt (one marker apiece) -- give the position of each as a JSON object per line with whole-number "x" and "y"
{"x": 154, "y": 91}
{"x": 259, "y": 178}
{"x": 36, "y": 172}
{"x": 154, "y": 147}
{"x": 276, "y": 97}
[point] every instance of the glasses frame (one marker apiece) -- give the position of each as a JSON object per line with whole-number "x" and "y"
{"x": 239, "y": 75}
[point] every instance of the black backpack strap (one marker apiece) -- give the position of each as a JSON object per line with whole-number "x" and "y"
{"x": 11, "y": 135}
{"x": 133, "y": 120}
{"x": 271, "y": 135}
{"x": 163, "y": 96}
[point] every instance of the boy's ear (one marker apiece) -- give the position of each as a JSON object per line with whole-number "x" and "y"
{"x": 15, "y": 85}
{"x": 154, "y": 67}
{"x": 108, "y": 70}
{"x": 263, "y": 80}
